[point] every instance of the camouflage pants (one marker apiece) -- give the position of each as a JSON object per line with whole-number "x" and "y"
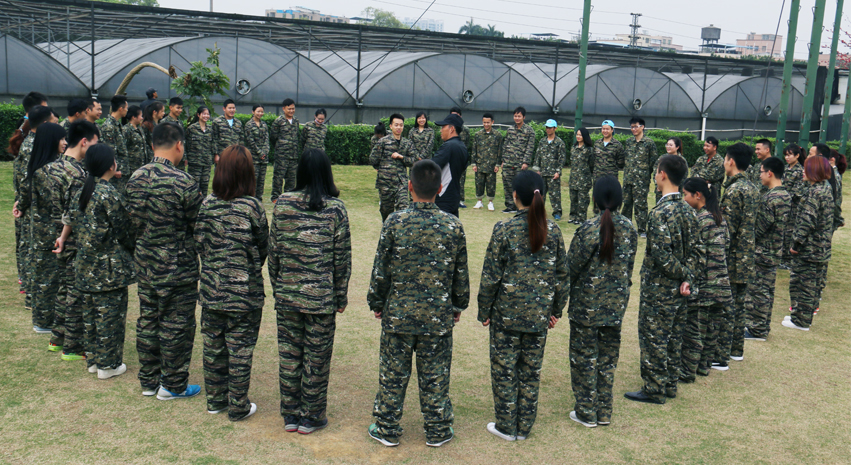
{"x": 741, "y": 304}
{"x": 734, "y": 320}
{"x": 44, "y": 286}
{"x": 508, "y": 173}
{"x": 485, "y": 182}
{"x": 714, "y": 315}
{"x": 105, "y": 320}
{"x": 579, "y": 199}
{"x": 553, "y": 187}
{"x": 393, "y": 198}
{"x": 635, "y": 197}
{"x": 434, "y": 361}
{"x": 260, "y": 181}
{"x": 594, "y": 353}
{"x": 516, "y": 361}
{"x": 283, "y": 174}
{"x": 305, "y": 345}
{"x": 758, "y": 321}
{"x": 806, "y": 282}
{"x": 693, "y": 337}
{"x": 20, "y": 252}
{"x": 229, "y": 340}
{"x": 660, "y": 335}
{"x": 165, "y": 334}
{"x": 68, "y": 330}
{"x": 201, "y": 173}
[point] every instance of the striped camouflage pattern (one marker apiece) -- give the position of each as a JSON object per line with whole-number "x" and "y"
{"x": 256, "y": 138}
{"x": 521, "y": 290}
{"x": 771, "y": 220}
{"x": 738, "y": 206}
{"x": 423, "y": 142}
{"x": 310, "y": 257}
{"x": 305, "y": 345}
{"x": 112, "y": 135}
{"x": 313, "y": 136}
{"x": 229, "y": 341}
{"x": 608, "y": 158}
{"x": 838, "y": 220}
{"x": 149, "y": 141}
{"x": 518, "y": 146}
{"x": 163, "y": 203}
{"x": 225, "y": 135}
{"x": 813, "y": 230}
{"x": 136, "y": 152}
{"x": 67, "y": 178}
{"x": 199, "y": 147}
{"x": 753, "y": 175}
{"x": 710, "y": 170}
{"x": 105, "y": 317}
{"x": 711, "y": 279}
{"x": 232, "y": 241}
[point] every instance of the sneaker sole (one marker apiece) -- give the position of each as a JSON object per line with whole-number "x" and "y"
{"x": 159, "y": 397}
{"x": 438, "y": 444}
{"x": 382, "y": 440}
{"x": 721, "y": 368}
{"x": 291, "y": 428}
{"x": 738, "y": 359}
{"x": 308, "y": 430}
{"x": 585, "y": 424}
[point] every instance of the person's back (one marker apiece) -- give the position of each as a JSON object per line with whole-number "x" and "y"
{"x": 712, "y": 280}
{"x": 811, "y": 237}
{"x": 671, "y": 238}
{"x": 739, "y": 204}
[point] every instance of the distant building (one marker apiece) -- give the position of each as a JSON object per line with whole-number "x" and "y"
{"x": 300, "y": 12}
{"x": 646, "y": 40}
{"x": 425, "y": 24}
{"x": 761, "y": 45}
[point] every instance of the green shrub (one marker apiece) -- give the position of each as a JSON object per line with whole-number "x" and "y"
{"x": 10, "y": 114}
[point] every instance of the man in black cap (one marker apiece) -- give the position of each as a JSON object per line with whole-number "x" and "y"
{"x": 152, "y": 97}
{"x": 452, "y": 160}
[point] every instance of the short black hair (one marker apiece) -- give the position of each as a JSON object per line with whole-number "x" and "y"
{"x": 455, "y": 110}
{"x": 397, "y": 116}
{"x": 774, "y": 165}
{"x": 288, "y": 102}
{"x": 150, "y": 92}
{"x": 520, "y": 110}
{"x": 90, "y": 103}
{"x": 766, "y": 143}
{"x": 636, "y": 120}
{"x": 823, "y": 150}
{"x": 742, "y": 154}
{"x": 81, "y": 129}
{"x": 76, "y": 105}
{"x": 488, "y": 115}
{"x": 166, "y": 135}
{"x": 117, "y": 102}
{"x": 675, "y": 167}
{"x": 425, "y": 177}
{"x": 175, "y": 101}
{"x": 712, "y": 140}
{"x": 32, "y": 99}
{"x": 320, "y": 111}
{"x": 228, "y": 102}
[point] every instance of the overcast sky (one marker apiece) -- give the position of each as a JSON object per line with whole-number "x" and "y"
{"x": 681, "y": 20}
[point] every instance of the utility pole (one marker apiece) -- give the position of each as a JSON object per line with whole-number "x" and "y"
{"x": 788, "y": 63}
{"x": 846, "y": 116}
{"x": 831, "y": 70}
{"x": 633, "y": 39}
{"x": 583, "y": 62}
{"x": 812, "y": 72}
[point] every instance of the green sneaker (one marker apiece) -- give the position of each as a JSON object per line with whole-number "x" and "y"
{"x": 51, "y": 347}
{"x": 72, "y": 357}
{"x": 374, "y": 435}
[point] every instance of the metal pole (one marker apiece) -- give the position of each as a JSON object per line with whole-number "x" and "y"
{"x": 94, "y": 90}
{"x": 788, "y": 63}
{"x": 828, "y": 85}
{"x": 583, "y": 62}
{"x": 846, "y": 117}
{"x": 555, "y": 83}
{"x": 68, "y": 37}
{"x": 358, "y": 113}
{"x": 812, "y": 73}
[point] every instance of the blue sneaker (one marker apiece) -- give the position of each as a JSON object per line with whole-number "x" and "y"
{"x": 192, "y": 390}
{"x": 557, "y": 216}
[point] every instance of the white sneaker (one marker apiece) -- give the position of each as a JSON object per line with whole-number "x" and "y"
{"x": 490, "y": 208}
{"x": 93, "y": 369}
{"x": 738, "y": 359}
{"x": 109, "y": 373}
{"x": 251, "y": 411}
{"x": 520, "y": 438}
{"x": 216, "y": 412}
{"x": 788, "y": 323}
{"x": 787, "y": 317}
{"x": 478, "y": 205}
{"x": 585, "y": 424}
{"x": 492, "y": 430}
{"x": 150, "y": 392}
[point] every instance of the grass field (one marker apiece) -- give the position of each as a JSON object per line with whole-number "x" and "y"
{"x": 787, "y": 402}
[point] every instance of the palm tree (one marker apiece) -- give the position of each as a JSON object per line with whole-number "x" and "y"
{"x": 468, "y": 28}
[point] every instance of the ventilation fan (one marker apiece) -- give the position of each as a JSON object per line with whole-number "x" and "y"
{"x": 637, "y": 103}
{"x": 767, "y": 110}
{"x": 243, "y": 87}
{"x": 468, "y": 96}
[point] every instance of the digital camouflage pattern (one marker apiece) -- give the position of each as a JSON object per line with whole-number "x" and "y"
{"x": 257, "y": 140}
{"x": 136, "y": 152}
{"x": 549, "y": 161}
{"x": 229, "y": 341}
{"x": 838, "y": 220}
{"x": 305, "y": 345}
{"x": 170, "y": 119}
{"x": 392, "y": 178}
{"x": 639, "y": 157}
{"x": 22, "y": 235}
{"x": 199, "y": 154}
{"x": 313, "y": 136}
{"x": 710, "y": 170}
{"x": 793, "y": 181}
{"x": 516, "y": 361}
{"x": 285, "y": 135}
{"x": 485, "y": 156}
{"x": 112, "y": 134}
{"x": 517, "y": 149}
{"x": 105, "y": 318}
{"x": 581, "y": 180}
{"x": 594, "y": 355}
{"x": 753, "y": 176}
{"x": 608, "y": 158}
{"x": 466, "y": 140}
{"x": 422, "y": 142}
{"x": 225, "y": 135}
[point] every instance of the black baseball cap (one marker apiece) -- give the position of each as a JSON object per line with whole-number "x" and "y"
{"x": 451, "y": 119}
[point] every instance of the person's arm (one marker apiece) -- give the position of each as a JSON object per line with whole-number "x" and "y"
{"x": 579, "y": 255}
{"x": 474, "y": 152}
{"x": 250, "y": 141}
{"x": 215, "y": 136}
{"x": 192, "y": 204}
{"x": 492, "y": 271}
{"x": 240, "y": 133}
{"x": 409, "y": 156}
{"x": 662, "y": 250}
{"x": 529, "y": 149}
{"x": 260, "y": 225}
{"x": 461, "y": 276}
{"x": 273, "y": 261}
{"x": 381, "y": 280}
{"x": 562, "y": 288}
{"x": 119, "y": 220}
{"x": 274, "y": 131}
{"x": 806, "y": 221}
{"x": 429, "y": 146}
{"x": 377, "y": 153}
{"x": 620, "y": 155}
{"x": 442, "y": 156}
{"x": 342, "y": 258}
{"x": 764, "y": 217}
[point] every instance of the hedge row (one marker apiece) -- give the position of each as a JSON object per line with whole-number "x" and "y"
{"x": 349, "y": 144}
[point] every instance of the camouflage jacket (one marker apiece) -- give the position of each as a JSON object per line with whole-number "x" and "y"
{"x": 753, "y": 177}
{"x": 149, "y": 143}
{"x": 639, "y": 157}
{"x": 225, "y": 135}
{"x": 771, "y": 221}
{"x": 67, "y": 177}
{"x": 392, "y": 172}
{"x": 608, "y": 158}
{"x": 112, "y": 134}
{"x": 838, "y": 220}
{"x": 466, "y": 140}
{"x": 814, "y": 225}
{"x": 673, "y": 250}
{"x": 712, "y": 171}
{"x": 793, "y": 181}
{"x": 36, "y": 204}
{"x": 422, "y": 142}
{"x": 170, "y": 119}
{"x": 549, "y": 157}
{"x": 200, "y": 148}
{"x": 581, "y": 167}
{"x": 104, "y": 244}
{"x": 310, "y": 261}
{"x": 257, "y": 140}
{"x": 136, "y": 152}
{"x": 313, "y": 136}
{"x": 520, "y": 290}
{"x": 485, "y": 149}
{"x": 232, "y": 241}
{"x": 739, "y": 208}
{"x": 163, "y": 203}
{"x": 285, "y": 135}
{"x": 21, "y": 163}
{"x": 420, "y": 277}
{"x": 711, "y": 278}
{"x": 518, "y": 146}
{"x": 599, "y": 290}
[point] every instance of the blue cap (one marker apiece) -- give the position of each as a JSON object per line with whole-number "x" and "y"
{"x": 551, "y": 123}
{"x": 609, "y": 122}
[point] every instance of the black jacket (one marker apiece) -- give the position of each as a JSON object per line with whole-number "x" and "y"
{"x": 451, "y": 157}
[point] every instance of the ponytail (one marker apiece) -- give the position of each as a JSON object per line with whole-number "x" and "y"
{"x": 100, "y": 158}
{"x": 529, "y": 185}
{"x": 608, "y": 196}
{"x": 709, "y": 192}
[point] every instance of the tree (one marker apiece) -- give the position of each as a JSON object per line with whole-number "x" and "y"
{"x": 134, "y": 2}
{"x": 202, "y": 82}
{"x": 843, "y": 59}
{"x": 473, "y": 29}
{"x": 383, "y": 18}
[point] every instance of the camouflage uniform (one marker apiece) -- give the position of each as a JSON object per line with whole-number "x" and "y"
{"x": 811, "y": 239}
{"x": 739, "y": 206}
{"x": 793, "y": 181}
{"x": 465, "y": 138}
{"x": 709, "y": 306}
{"x": 485, "y": 158}
{"x": 149, "y": 141}
{"x": 310, "y": 263}
{"x": 112, "y": 134}
{"x": 838, "y": 220}
{"x": 671, "y": 258}
{"x": 199, "y": 154}
{"x": 422, "y": 142}
{"x": 22, "y": 235}
{"x": 170, "y": 119}
{"x": 581, "y": 181}
{"x": 549, "y": 161}
{"x": 163, "y": 203}
{"x": 519, "y": 292}
{"x": 599, "y": 294}
{"x": 232, "y": 240}
{"x": 517, "y": 149}
{"x": 225, "y": 135}
{"x": 103, "y": 269}
{"x": 419, "y": 280}
{"x": 285, "y": 134}
{"x": 608, "y": 158}
{"x": 392, "y": 178}
{"x": 640, "y": 156}
{"x": 656, "y": 190}
{"x": 136, "y": 152}
{"x": 257, "y": 140}
{"x": 710, "y": 170}
{"x": 773, "y": 212}
{"x": 313, "y": 136}
{"x": 753, "y": 176}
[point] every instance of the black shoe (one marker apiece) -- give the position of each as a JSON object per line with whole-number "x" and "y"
{"x": 461, "y": 205}
{"x": 509, "y": 210}
{"x": 640, "y": 396}
{"x": 291, "y": 423}
{"x": 671, "y": 394}
{"x": 309, "y": 426}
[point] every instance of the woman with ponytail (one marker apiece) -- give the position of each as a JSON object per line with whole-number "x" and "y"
{"x": 153, "y": 113}
{"x": 601, "y": 258}
{"x": 522, "y": 294}
{"x": 707, "y": 309}
{"x": 104, "y": 264}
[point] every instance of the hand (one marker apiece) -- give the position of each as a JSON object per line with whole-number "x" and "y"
{"x": 457, "y": 317}
{"x": 556, "y": 176}
{"x": 524, "y": 166}
{"x": 377, "y": 315}
{"x": 216, "y": 159}
{"x": 118, "y": 174}
{"x": 185, "y": 162}
{"x": 475, "y": 169}
{"x": 486, "y": 322}
{"x": 552, "y": 323}
{"x": 341, "y": 310}
{"x": 15, "y": 212}
{"x": 396, "y": 156}
{"x": 496, "y": 168}
{"x": 685, "y": 289}
{"x": 793, "y": 251}
{"x": 59, "y": 245}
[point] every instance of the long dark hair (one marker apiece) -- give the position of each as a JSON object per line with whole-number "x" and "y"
{"x": 586, "y": 138}
{"x": 710, "y": 193}
{"x": 678, "y": 143}
{"x": 132, "y": 112}
{"x": 314, "y": 176}
{"x": 795, "y": 149}
{"x": 234, "y": 176}
{"x": 380, "y": 130}
{"x": 417, "y": 125}
{"x": 197, "y": 116}
{"x": 45, "y": 147}
{"x": 152, "y": 108}
{"x": 99, "y": 159}
{"x": 529, "y": 187}
{"x": 608, "y": 196}
{"x": 37, "y": 115}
